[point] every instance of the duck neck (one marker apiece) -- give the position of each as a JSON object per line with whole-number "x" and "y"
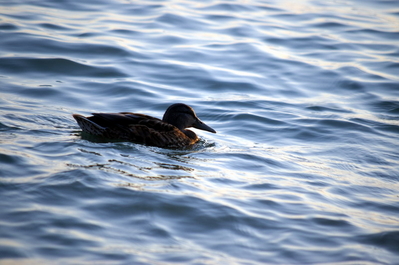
{"x": 190, "y": 134}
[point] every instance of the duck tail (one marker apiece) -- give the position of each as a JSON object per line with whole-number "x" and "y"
{"x": 88, "y": 126}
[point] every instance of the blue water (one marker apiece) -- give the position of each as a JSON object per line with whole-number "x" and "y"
{"x": 304, "y": 168}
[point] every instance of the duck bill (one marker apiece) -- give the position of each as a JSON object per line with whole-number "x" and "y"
{"x": 202, "y": 126}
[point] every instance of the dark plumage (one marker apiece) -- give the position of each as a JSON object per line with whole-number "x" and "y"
{"x": 169, "y": 132}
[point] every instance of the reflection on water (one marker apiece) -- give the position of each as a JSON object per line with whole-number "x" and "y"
{"x": 303, "y": 169}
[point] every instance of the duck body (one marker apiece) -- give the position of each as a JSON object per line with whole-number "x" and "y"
{"x": 169, "y": 132}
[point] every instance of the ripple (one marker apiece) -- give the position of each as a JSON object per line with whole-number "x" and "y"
{"x": 370, "y": 34}
{"x": 387, "y": 239}
{"x": 58, "y": 66}
{"x": 53, "y": 27}
{"x": 8, "y": 26}
{"x": 184, "y": 22}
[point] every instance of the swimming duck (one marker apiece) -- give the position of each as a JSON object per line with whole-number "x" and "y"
{"x": 169, "y": 132}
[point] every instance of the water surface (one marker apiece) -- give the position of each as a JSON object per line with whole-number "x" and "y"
{"x": 304, "y": 168}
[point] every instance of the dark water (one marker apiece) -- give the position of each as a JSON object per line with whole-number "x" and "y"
{"x": 304, "y": 168}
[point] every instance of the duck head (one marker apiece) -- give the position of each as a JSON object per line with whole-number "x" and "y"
{"x": 183, "y": 116}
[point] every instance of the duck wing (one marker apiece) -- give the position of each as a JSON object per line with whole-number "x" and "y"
{"x": 140, "y": 128}
{"x": 119, "y": 119}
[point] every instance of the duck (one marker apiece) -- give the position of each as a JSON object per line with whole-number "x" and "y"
{"x": 170, "y": 132}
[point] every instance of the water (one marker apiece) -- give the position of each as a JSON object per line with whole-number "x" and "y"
{"x": 304, "y": 168}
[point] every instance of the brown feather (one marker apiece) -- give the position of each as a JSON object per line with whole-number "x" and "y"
{"x": 145, "y": 129}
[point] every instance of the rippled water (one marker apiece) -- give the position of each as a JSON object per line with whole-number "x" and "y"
{"x": 304, "y": 96}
